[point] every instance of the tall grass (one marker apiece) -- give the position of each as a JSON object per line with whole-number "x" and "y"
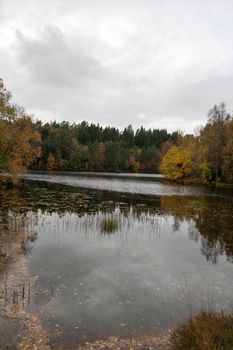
{"x": 109, "y": 225}
{"x": 205, "y": 331}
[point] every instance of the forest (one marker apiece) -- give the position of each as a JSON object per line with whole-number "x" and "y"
{"x": 26, "y": 143}
{"x": 90, "y": 147}
{"x": 207, "y": 157}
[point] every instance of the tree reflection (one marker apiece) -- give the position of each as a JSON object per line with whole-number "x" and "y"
{"x": 15, "y": 233}
{"x": 210, "y": 220}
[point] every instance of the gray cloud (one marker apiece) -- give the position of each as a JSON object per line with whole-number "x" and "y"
{"x": 50, "y": 60}
{"x": 156, "y": 63}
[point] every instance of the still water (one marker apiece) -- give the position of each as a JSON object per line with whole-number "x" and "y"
{"x": 149, "y": 184}
{"x": 168, "y": 255}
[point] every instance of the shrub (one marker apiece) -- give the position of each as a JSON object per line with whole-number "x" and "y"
{"x": 206, "y": 331}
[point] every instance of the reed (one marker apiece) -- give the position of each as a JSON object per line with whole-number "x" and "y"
{"x": 109, "y": 225}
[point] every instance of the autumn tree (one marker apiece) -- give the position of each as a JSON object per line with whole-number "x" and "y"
{"x": 84, "y": 146}
{"x": 212, "y": 140}
{"x": 51, "y": 162}
{"x": 227, "y": 163}
{"x": 177, "y": 163}
{"x": 208, "y": 155}
{"x": 19, "y": 137}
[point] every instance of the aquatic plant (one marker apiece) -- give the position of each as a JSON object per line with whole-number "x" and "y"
{"x": 109, "y": 225}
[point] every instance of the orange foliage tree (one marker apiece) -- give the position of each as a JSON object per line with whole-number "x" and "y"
{"x": 19, "y": 137}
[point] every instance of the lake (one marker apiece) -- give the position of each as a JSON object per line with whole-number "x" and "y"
{"x": 168, "y": 254}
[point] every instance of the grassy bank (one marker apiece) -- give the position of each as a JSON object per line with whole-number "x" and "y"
{"x": 206, "y": 331}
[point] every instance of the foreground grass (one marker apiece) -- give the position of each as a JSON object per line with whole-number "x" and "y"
{"x": 206, "y": 331}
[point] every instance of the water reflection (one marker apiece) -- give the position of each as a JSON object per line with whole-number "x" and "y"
{"x": 14, "y": 231}
{"x": 212, "y": 222}
{"x": 168, "y": 257}
{"x": 134, "y": 184}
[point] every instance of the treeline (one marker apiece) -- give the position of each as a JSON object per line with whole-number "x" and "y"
{"x": 208, "y": 157}
{"x": 75, "y": 147}
{"x": 24, "y": 144}
{"x": 90, "y": 147}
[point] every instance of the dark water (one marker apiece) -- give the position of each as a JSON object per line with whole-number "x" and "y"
{"x": 169, "y": 255}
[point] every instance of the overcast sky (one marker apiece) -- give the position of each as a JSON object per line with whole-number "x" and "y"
{"x": 156, "y": 63}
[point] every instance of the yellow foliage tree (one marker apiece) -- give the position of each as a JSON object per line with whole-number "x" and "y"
{"x": 51, "y": 162}
{"x": 177, "y": 163}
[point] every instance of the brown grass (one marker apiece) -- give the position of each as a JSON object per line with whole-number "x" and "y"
{"x": 206, "y": 331}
